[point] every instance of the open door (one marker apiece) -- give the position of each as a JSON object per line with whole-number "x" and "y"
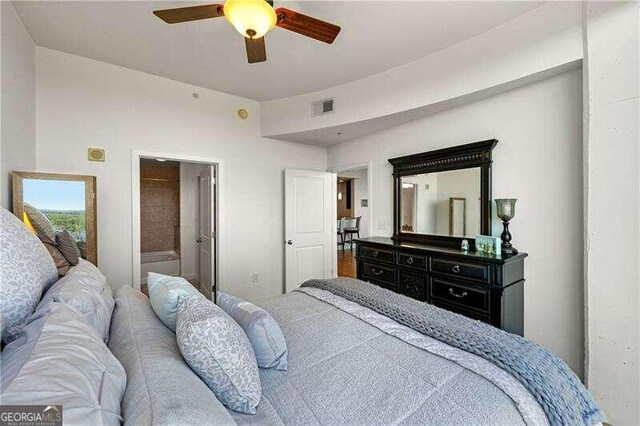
{"x": 309, "y": 214}
{"x": 206, "y": 238}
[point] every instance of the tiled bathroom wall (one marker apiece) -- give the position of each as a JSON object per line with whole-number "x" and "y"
{"x": 159, "y": 206}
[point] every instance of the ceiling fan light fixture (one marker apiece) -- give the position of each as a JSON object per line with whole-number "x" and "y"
{"x": 251, "y": 18}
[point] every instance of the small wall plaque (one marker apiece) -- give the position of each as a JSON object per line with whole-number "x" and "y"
{"x": 96, "y": 154}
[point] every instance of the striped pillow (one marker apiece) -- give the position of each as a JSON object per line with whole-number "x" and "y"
{"x": 62, "y": 264}
{"x": 40, "y": 223}
{"x": 68, "y": 246}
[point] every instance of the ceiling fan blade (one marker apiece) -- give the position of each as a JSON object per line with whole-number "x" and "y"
{"x": 306, "y": 25}
{"x": 193, "y": 13}
{"x": 256, "y": 51}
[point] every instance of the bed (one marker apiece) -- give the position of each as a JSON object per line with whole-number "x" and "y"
{"x": 344, "y": 370}
{"x": 358, "y": 354}
{"x": 349, "y": 363}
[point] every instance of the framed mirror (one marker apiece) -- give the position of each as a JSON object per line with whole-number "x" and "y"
{"x": 67, "y": 201}
{"x": 442, "y": 197}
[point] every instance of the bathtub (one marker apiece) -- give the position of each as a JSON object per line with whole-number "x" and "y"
{"x": 161, "y": 262}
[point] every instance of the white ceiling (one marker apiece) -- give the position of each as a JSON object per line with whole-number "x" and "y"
{"x": 375, "y": 36}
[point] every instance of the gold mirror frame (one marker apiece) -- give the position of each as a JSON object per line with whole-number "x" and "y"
{"x": 90, "y": 203}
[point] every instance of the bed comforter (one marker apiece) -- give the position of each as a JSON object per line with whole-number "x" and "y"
{"x": 351, "y": 365}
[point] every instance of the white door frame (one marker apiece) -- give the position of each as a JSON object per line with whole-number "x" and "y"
{"x": 359, "y": 165}
{"x": 136, "y": 155}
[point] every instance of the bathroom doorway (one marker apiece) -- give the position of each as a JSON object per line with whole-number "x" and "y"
{"x": 175, "y": 220}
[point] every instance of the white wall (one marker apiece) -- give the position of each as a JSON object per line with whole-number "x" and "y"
{"x": 543, "y": 39}
{"x": 539, "y": 161}
{"x": 18, "y": 133}
{"x": 84, "y": 103}
{"x": 189, "y": 215}
{"x": 612, "y": 146}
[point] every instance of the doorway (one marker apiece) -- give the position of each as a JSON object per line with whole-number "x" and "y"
{"x": 352, "y": 215}
{"x": 175, "y": 219}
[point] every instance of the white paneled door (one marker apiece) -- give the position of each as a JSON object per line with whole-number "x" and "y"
{"x": 206, "y": 237}
{"x": 309, "y": 215}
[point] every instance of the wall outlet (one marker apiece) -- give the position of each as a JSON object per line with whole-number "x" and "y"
{"x": 255, "y": 278}
{"x": 382, "y": 224}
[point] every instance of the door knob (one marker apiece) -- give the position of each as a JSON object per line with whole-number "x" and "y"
{"x": 290, "y": 242}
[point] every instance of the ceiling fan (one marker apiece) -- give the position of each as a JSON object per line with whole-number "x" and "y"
{"x": 253, "y": 19}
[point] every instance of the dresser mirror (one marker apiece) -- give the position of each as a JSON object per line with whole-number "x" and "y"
{"x": 441, "y": 203}
{"x": 442, "y": 197}
{"x": 66, "y": 202}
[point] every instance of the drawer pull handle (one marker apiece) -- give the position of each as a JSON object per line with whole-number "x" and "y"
{"x": 410, "y": 261}
{"x": 456, "y": 269}
{"x": 454, "y": 294}
{"x": 376, "y": 254}
{"x": 377, "y": 272}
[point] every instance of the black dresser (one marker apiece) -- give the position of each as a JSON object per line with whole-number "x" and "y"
{"x": 475, "y": 284}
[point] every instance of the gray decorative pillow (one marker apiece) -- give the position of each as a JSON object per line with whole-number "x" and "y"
{"x": 41, "y": 224}
{"x": 218, "y": 351}
{"x": 59, "y": 359}
{"x": 26, "y": 269}
{"x": 61, "y": 262}
{"x": 263, "y": 331}
{"x": 68, "y": 246}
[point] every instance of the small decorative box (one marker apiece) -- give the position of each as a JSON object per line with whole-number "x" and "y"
{"x": 488, "y": 244}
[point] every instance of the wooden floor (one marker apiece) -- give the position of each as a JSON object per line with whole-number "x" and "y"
{"x": 346, "y": 264}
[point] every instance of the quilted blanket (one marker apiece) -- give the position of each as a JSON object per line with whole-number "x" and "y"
{"x": 552, "y": 383}
{"x": 351, "y": 365}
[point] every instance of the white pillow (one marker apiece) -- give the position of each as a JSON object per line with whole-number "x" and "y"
{"x": 164, "y": 293}
{"x": 85, "y": 290}
{"x": 59, "y": 359}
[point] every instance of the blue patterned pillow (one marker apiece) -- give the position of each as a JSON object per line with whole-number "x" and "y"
{"x": 26, "y": 269}
{"x": 263, "y": 331}
{"x": 218, "y": 351}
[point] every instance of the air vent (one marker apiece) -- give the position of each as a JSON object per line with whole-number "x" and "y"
{"x": 322, "y": 107}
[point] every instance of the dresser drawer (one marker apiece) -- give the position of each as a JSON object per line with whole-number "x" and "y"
{"x": 380, "y": 255}
{"x": 412, "y": 283}
{"x": 463, "y": 311}
{"x": 474, "y": 271}
{"x": 412, "y": 260}
{"x": 380, "y": 274}
{"x": 462, "y": 295}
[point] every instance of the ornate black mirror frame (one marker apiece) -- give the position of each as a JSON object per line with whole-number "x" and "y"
{"x": 477, "y": 154}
